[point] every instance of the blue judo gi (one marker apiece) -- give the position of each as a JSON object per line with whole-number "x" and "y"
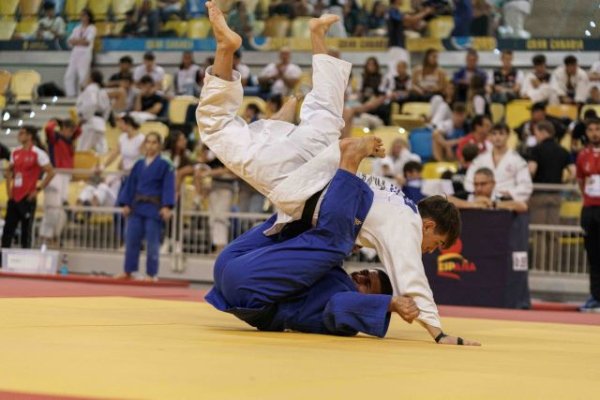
{"x": 147, "y": 189}
{"x": 297, "y": 283}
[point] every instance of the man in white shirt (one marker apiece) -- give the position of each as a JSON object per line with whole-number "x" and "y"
{"x": 536, "y": 84}
{"x": 392, "y": 166}
{"x": 149, "y": 67}
{"x": 511, "y": 173}
{"x": 292, "y": 164}
{"x": 570, "y": 82}
{"x": 282, "y": 77}
{"x": 51, "y": 26}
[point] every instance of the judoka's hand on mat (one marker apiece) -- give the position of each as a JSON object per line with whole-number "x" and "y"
{"x": 165, "y": 213}
{"x": 405, "y": 307}
{"x": 455, "y": 340}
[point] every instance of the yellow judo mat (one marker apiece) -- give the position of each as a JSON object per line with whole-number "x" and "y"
{"x": 128, "y": 348}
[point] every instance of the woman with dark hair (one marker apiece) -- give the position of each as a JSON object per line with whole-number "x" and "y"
{"x": 428, "y": 79}
{"x": 478, "y": 102}
{"x": 178, "y": 152}
{"x": 80, "y": 62}
{"x": 188, "y": 79}
{"x": 371, "y": 79}
{"x": 93, "y": 108}
{"x": 377, "y": 16}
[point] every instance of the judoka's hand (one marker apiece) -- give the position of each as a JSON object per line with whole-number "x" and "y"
{"x": 126, "y": 211}
{"x": 165, "y": 213}
{"x": 406, "y": 307}
{"x": 454, "y": 340}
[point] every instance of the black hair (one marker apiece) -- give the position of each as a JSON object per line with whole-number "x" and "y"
{"x": 470, "y": 152}
{"x": 276, "y": 99}
{"x": 66, "y": 123}
{"x": 539, "y": 106}
{"x": 90, "y": 15}
{"x": 156, "y": 135}
{"x": 49, "y": 5}
{"x": 592, "y": 121}
{"x": 507, "y": 52}
{"x": 485, "y": 171}
{"x": 538, "y": 59}
{"x": 444, "y": 214}
{"x": 590, "y": 114}
{"x": 386, "y": 284}
{"x": 412, "y": 166}
{"x": 127, "y": 76}
{"x": 128, "y": 119}
{"x": 479, "y": 120}
{"x": 97, "y": 77}
{"x": 149, "y": 56}
{"x": 570, "y": 60}
{"x": 459, "y": 107}
{"x": 546, "y": 126}
{"x": 146, "y": 79}
{"x": 126, "y": 60}
{"x": 33, "y": 132}
{"x": 472, "y": 52}
{"x": 253, "y": 107}
{"x": 501, "y": 126}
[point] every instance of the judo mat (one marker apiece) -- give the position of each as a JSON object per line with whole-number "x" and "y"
{"x": 74, "y": 340}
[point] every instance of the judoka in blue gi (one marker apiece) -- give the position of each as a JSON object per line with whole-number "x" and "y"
{"x": 295, "y": 280}
{"x": 147, "y": 198}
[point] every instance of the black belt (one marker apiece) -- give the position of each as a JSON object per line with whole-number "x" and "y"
{"x": 141, "y": 198}
{"x": 305, "y": 222}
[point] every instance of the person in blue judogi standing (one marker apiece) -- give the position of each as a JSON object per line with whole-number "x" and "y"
{"x": 147, "y": 198}
{"x": 295, "y": 280}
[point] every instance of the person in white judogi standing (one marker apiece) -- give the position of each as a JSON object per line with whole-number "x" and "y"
{"x": 511, "y": 173}
{"x": 291, "y": 163}
{"x": 80, "y": 62}
{"x": 93, "y": 107}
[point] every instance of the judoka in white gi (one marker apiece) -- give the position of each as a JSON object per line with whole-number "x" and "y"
{"x": 289, "y": 164}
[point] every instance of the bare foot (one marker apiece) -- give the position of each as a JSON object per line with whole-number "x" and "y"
{"x": 287, "y": 113}
{"x": 354, "y": 150}
{"x": 225, "y": 37}
{"x": 320, "y": 26}
{"x": 123, "y": 276}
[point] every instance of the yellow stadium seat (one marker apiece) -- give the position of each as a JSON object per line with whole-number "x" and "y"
{"x": 562, "y": 111}
{"x": 570, "y": 209}
{"x": 112, "y": 137}
{"x": 73, "y": 8}
{"x": 586, "y": 107}
{"x": 99, "y": 8}
{"x": 388, "y": 134}
{"x": 24, "y": 83}
{"x": 513, "y": 140}
{"x": 178, "y": 108}
{"x": 29, "y": 7}
{"x": 440, "y": 27}
{"x": 8, "y": 7}
{"x": 27, "y": 27}
{"x": 74, "y": 190}
{"x": 4, "y": 84}
{"x": 167, "y": 82}
{"x": 517, "y": 112}
{"x": 84, "y": 160}
{"x": 7, "y": 29}
{"x": 180, "y": 27}
{"x": 258, "y": 28}
{"x": 155, "y": 126}
{"x": 260, "y": 103}
{"x": 300, "y": 28}
{"x": 408, "y": 122}
{"x": 416, "y": 108}
{"x": 198, "y": 28}
{"x": 277, "y": 26}
{"x": 565, "y": 142}
{"x": 366, "y": 166}
{"x": 434, "y": 170}
{"x": 497, "y": 110}
{"x": 120, "y": 7}
{"x": 104, "y": 28}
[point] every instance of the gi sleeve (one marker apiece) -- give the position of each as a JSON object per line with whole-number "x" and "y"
{"x": 348, "y": 313}
{"x": 168, "y": 188}
{"x": 127, "y": 194}
{"x": 523, "y": 185}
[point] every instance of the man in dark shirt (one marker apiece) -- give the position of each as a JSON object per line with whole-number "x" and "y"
{"x": 125, "y": 70}
{"x": 547, "y": 164}
{"x": 526, "y": 129}
{"x": 149, "y": 100}
{"x": 462, "y": 78}
{"x": 507, "y": 80}
{"x": 398, "y": 22}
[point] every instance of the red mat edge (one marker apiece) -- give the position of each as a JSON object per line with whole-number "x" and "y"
{"x": 98, "y": 280}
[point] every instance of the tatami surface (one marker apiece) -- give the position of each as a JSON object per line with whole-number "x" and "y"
{"x": 136, "y": 348}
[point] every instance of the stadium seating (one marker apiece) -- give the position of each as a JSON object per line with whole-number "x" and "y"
{"x": 73, "y": 8}
{"x": 260, "y": 103}
{"x": 167, "y": 82}
{"x": 277, "y": 26}
{"x": 562, "y": 111}
{"x": 300, "y": 28}
{"x": 155, "y": 126}
{"x": 590, "y": 107}
{"x": 104, "y": 28}
{"x": 198, "y": 28}
{"x": 23, "y": 85}
{"x": 179, "y": 27}
{"x": 7, "y": 29}
{"x": 417, "y": 109}
{"x": 178, "y": 108}
{"x": 421, "y": 143}
{"x": 84, "y": 160}
{"x": 120, "y": 7}
{"x": 29, "y": 7}
{"x": 497, "y": 110}
{"x": 434, "y": 170}
{"x": 440, "y": 27}
{"x": 517, "y": 112}
{"x": 388, "y": 134}
{"x": 8, "y": 7}
{"x": 571, "y": 209}
{"x": 4, "y": 83}
{"x": 27, "y": 27}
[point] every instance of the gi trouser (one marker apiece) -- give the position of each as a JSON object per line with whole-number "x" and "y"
{"x": 23, "y": 212}
{"x": 138, "y": 228}
{"x": 590, "y": 222}
{"x": 255, "y": 271}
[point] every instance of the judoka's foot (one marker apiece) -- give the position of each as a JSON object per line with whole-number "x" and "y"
{"x": 225, "y": 37}
{"x": 354, "y": 150}
{"x": 320, "y": 26}
{"x": 287, "y": 112}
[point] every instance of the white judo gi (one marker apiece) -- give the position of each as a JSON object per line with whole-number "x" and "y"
{"x": 289, "y": 163}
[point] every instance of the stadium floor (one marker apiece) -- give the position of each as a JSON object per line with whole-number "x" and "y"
{"x": 60, "y": 339}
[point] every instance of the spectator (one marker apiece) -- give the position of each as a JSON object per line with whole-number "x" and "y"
{"x": 147, "y": 199}
{"x": 526, "y": 129}
{"x": 478, "y": 103}
{"x": 125, "y": 69}
{"x": 302, "y": 8}
{"x": 282, "y": 77}
{"x": 376, "y": 19}
{"x": 123, "y": 97}
{"x": 594, "y": 78}
{"x": 130, "y": 145}
{"x": 396, "y": 84}
{"x": 536, "y": 85}
{"x": 463, "y": 17}
{"x": 428, "y": 79}
{"x": 242, "y": 68}
{"x": 80, "y": 61}
{"x": 27, "y": 163}
{"x": 398, "y": 22}
{"x": 547, "y": 164}
{"x": 188, "y": 79}
{"x": 484, "y": 195}
{"x": 60, "y": 137}
{"x": 372, "y": 78}
{"x": 513, "y": 181}
{"x": 570, "y": 82}
{"x": 181, "y": 158}
{"x": 93, "y": 109}
{"x": 507, "y": 80}
{"x": 588, "y": 177}
{"x": 148, "y": 104}
{"x": 148, "y": 21}
{"x": 51, "y": 26}
{"x": 392, "y": 166}
{"x": 447, "y": 133}
{"x": 281, "y": 7}
{"x": 469, "y": 153}
{"x": 251, "y": 113}
{"x": 149, "y": 67}
{"x": 515, "y": 12}
{"x": 131, "y": 27}
{"x": 480, "y": 127}
{"x": 355, "y": 19}
{"x": 579, "y": 138}
{"x": 482, "y": 18}
{"x": 413, "y": 181}
{"x": 169, "y": 8}
{"x": 463, "y": 77}
{"x": 241, "y": 22}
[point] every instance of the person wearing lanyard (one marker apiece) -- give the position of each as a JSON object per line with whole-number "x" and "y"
{"x": 80, "y": 62}
{"x": 147, "y": 198}
{"x": 588, "y": 177}
{"x": 27, "y": 162}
